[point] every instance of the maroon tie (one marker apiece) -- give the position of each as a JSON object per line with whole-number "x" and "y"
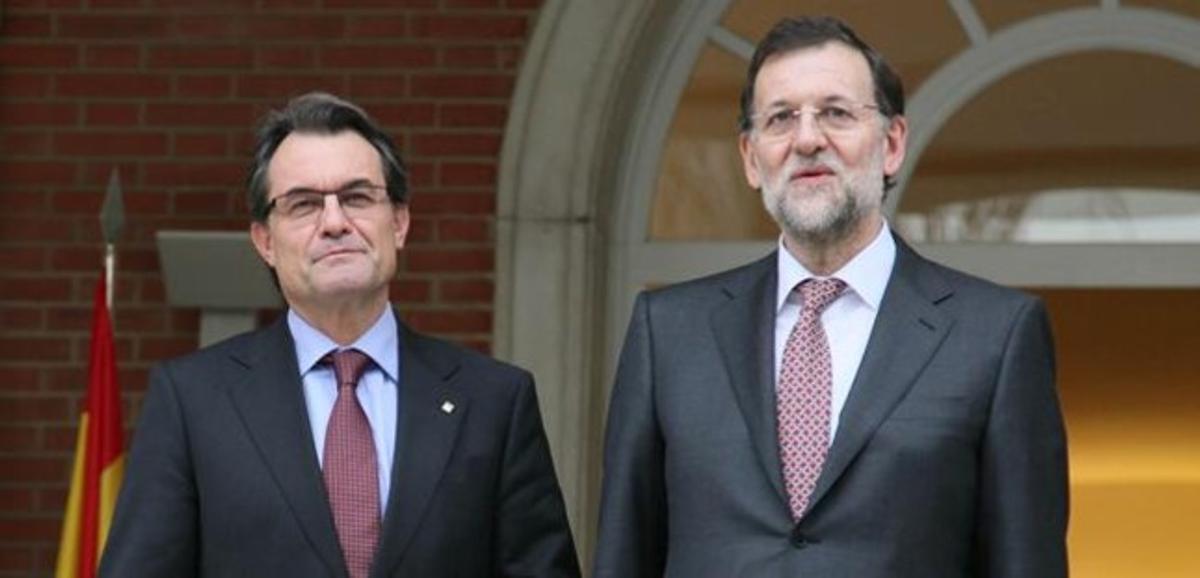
{"x": 351, "y": 476}
{"x": 804, "y": 394}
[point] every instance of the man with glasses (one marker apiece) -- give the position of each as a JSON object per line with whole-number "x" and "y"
{"x": 841, "y": 407}
{"x": 337, "y": 441}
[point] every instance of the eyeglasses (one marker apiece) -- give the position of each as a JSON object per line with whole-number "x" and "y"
{"x": 305, "y": 204}
{"x": 832, "y": 118}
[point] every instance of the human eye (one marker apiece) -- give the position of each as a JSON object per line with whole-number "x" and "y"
{"x": 357, "y": 198}
{"x": 302, "y": 204}
{"x": 778, "y": 121}
{"x": 837, "y": 116}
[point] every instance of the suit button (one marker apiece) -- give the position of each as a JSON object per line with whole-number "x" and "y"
{"x": 798, "y": 539}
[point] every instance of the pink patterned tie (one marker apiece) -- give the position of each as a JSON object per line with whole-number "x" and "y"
{"x": 804, "y": 394}
{"x": 351, "y": 472}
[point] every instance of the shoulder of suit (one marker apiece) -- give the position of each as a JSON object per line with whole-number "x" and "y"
{"x": 442, "y": 353}
{"x": 709, "y": 286}
{"x": 965, "y": 286}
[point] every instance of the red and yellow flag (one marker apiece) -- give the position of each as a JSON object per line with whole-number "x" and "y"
{"x": 99, "y": 456}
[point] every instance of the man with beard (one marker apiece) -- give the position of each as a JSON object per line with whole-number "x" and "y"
{"x": 842, "y": 407}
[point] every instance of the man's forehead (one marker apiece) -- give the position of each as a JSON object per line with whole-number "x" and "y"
{"x": 821, "y": 72}
{"x": 315, "y": 160}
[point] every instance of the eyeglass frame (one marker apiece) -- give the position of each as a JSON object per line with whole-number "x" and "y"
{"x": 338, "y": 194}
{"x": 796, "y": 114}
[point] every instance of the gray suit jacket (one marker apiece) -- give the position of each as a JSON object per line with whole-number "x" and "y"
{"x": 949, "y": 460}
{"x": 223, "y": 479}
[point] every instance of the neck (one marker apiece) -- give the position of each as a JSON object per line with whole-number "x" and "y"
{"x": 343, "y": 322}
{"x": 826, "y": 258}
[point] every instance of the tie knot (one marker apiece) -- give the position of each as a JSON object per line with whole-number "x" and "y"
{"x": 819, "y": 293}
{"x": 348, "y": 366}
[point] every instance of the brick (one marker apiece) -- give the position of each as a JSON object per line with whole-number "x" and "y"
{"x": 281, "y": 87}
{"x": 34, "y": 529}
{"x": 25, "y": 25}
{"x": 322, "y": 28}
{"x": 165, "y": 348}
{"x": 388, "y": 86}
{"x": 469, "y": 27}
{"x": 35, "y": 229}
{"x": 33, "y": 349}
{"x": 24, "y": 85}
{"x": 462, "y": 85}
{"x": 464, "y": 230}
{"x": 298, "y": 57}
{"x": 357, "y": 4}
{"x": 451, "y": 321}
{"x": 112, "y": 114}
{"x": 141, "y": 204}
{"x": 35, "y": 289}
{"x": 377, "y": 26}
{"x": 276, "y": 4}
{"x": 24, "y": 144}
{"x": 456, "y": 204}
{"x": 449, "y": 260}
{"x": 112, "y": 56}
{"x": 38, "y": 56}
{"x": 229, "y": 174}
{"x": 141, "y": 319}
{"x": 37, "y": 113}
{"x": 16, "y": 378}
{"x": 459, "y": 57}
{"x": 60, "y": 439}
{"x": 200, "y": 145}
{"x": 26, "y": 408}
{"x": 103, "y": 26}
{"x": 404, "y": 115}
{"x": 200, "y": 203}
{"x": 203, "y": 86}
{"x": 17, "y": 499}
{"x": 113, "y": 85}
{"x": 455, "y": 115}
{"x": 208, "y": 114}
{"x": 191, "y": 56}
{"x": 465, "y": 291}
{"x": 21, "y": 318}
{"x": 411, "y": 290}
{"x": 76, "y": 258}
{"x": 467, "y": 174}
{"x": 33, "y": 469}
{"x": 17, "y": 559}
{"x": 440, "y": 144}
{"x": 69, "y": 318}
{"x": 420, "y": 174}
{"x": 27, "y": 258}
{"x": 369, "y": 56}
{"x": 110, "y": 144}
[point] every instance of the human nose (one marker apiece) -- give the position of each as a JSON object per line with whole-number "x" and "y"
{"x": 808, "y": 137}
{"x": 332, "y": 218}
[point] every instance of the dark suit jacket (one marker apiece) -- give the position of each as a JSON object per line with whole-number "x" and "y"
{"x": 949, "y": 460}
{"x": 223, "y": 479}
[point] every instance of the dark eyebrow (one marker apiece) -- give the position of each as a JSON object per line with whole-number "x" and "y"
{"x": 346, "y": 185}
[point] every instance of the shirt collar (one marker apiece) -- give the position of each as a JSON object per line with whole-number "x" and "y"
{"x": 380, "y": 343}
{"x": 866, "y": 274}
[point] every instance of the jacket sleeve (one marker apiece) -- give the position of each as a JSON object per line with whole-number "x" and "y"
{"x": 154, "y": 528}
{"x": 534, "y": 536}
{"x": 633, "y": 515}
{"x": 1023, "y": 495}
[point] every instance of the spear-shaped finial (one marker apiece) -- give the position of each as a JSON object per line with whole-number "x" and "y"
{"x": 112, "y": 213}
{"x": 112, "y": 220}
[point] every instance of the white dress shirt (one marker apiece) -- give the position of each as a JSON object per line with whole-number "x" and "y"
{"x": 847, "y": 321}
{"x": 377, "y": 391}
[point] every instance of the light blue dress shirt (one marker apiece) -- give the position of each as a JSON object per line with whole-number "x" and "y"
{"x": 377, "y": 391}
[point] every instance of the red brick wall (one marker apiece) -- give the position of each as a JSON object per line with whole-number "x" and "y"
{"x": 168, "y": 91}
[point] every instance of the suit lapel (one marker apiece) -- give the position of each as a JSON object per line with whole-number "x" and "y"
{"x": 270, "y": 402}
{"x": 431, "y": 411}
{"x": 908, "y": 330}
{"x": 744, "y": 330}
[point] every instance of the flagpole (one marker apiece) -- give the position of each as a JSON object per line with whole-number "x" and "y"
{"x": 112, "y": 220}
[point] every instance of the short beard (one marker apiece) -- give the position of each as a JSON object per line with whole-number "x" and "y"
{"x": 830, "y": 231}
